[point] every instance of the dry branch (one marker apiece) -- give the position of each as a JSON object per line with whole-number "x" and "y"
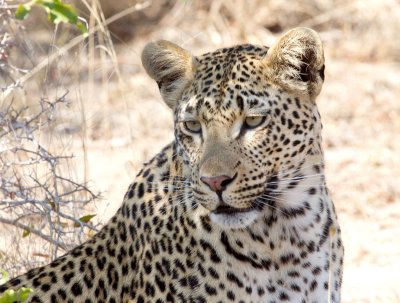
{"x": 34, "y": 231}
{"x": 36, "y": 195}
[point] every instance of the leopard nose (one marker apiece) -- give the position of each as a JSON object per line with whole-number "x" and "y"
{"x": 218, "y": 183}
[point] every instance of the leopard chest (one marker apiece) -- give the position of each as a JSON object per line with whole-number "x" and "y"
{"x": 219, "y": 268}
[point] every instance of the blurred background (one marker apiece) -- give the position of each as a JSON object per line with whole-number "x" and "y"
{"x": 79, "y": 115}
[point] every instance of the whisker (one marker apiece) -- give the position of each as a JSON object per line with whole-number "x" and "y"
{"x": 271, "y": 206}
{"x": 296, "y": 178}
{"x": 302, "y": 189}
{"x": 302, "y": 167}
{"x": 173, "y": 187}
{"x": 190, "y": 207}
{"x": 267, "y": 197}
{"x": 176, "y": 181}
{"x": 293, "y": 170}
{"x": 171, "y": 181}
{"x": 182, "y": 198}
{"x": 172, "y": 206}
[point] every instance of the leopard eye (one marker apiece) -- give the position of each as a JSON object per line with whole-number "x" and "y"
{"x": 253, "y": 122}
{"x": 192, "y": 126}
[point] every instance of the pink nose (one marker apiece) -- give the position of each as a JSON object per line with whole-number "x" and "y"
{"x": 217, "y": 184}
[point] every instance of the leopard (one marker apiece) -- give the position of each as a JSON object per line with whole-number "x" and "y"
{"x": 236, "y": 208}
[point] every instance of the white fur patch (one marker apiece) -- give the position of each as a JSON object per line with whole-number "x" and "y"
{"x": 234, "y": 221}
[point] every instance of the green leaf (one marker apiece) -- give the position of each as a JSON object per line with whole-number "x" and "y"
{"x": 8, "y": 296}
{"x": 59, "y": 12}
{"x": 84, "y": 219}
{"x": 23, "y": 293}
{"x": 22, "y": 11}
{"x": 82, "y": 27}
{"x": 4, "y": 277}
{"x": 26, "y": 233}
{"x": 11, "y": 296}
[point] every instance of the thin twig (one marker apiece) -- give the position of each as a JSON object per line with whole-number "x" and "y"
{"x": 35, "y": 232}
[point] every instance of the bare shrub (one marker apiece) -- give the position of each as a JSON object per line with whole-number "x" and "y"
{"x": 37, "y": 194}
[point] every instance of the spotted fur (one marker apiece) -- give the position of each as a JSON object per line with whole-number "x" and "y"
{"x": 236, "y": 209}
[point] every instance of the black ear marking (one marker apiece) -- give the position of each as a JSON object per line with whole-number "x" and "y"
{"x": 304, "y": 74}
{"x": 321, "y": 72}
{"x": 307, "y": 72}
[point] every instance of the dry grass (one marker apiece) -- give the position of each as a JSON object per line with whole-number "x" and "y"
{"x": 108, "y": 129}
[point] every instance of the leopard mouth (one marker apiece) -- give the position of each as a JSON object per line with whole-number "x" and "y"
{"x": 232, "y": 217}
{"x": 256, "y": 205}
{"x": 225, "y": 209}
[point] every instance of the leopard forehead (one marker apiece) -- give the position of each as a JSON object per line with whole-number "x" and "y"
{"x": 227, "y": 81}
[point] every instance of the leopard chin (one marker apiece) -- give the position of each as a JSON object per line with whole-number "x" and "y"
{"x": 234, "y": 218}
{"x": 231, "y": 217}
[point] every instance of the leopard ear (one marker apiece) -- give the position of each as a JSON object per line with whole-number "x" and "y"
{"x": 171, "y": 66}
{"x": 296, "y": 62}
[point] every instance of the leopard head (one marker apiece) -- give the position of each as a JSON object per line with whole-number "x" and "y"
{"x": 242, "y": 115}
